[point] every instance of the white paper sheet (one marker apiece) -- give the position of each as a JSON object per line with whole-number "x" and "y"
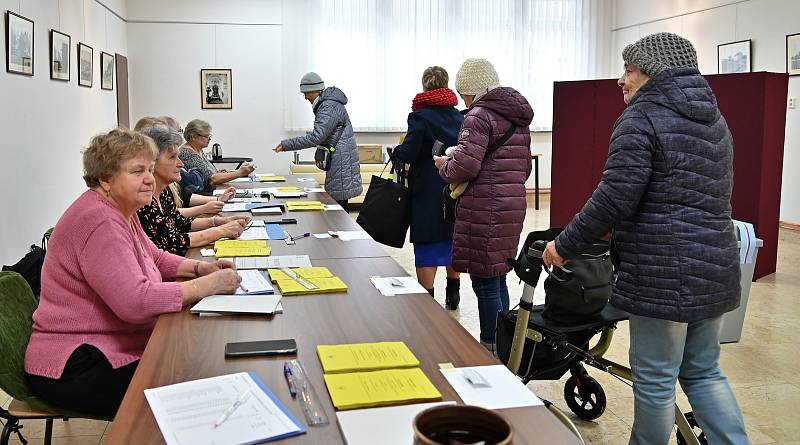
{"x": 272, "y": 262}
{"x": 235, "y": 207}
{"x": 321, "y": 235}
{"x": 237, "y": 304}
{"x": 506, "y": 390}
{"x": 267, "y": 211}
{"x": 245, "y": 179}
{"x": 186, "y": 412}
{"x": 408, "y": 285}
{"x": 349, "y": 235}
{"x": 387, "y": 426}
{"x": 314, "y": 189}
{"x": 254, "y": 233}
{"x": 306, "y": 180}
{"x": 329, "y": 207}
{"x": 255, "y": 282}
{"x": 207, "y": 252}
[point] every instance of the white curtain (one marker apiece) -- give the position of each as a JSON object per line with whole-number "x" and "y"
{"x": 376, "y": 50}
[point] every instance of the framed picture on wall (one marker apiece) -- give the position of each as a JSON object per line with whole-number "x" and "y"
{"x": 793, "y": 54}
{"x": 85, "y": 64}
{"x": 216, "y": 89}
{"x": 106, "y": 71}
{"x": 734, "y": 57}
{"x": 19, "y": 44}
{"x": 59, "y": 55}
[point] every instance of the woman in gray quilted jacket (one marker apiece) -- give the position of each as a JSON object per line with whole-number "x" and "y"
{"x": 332, "y": 128}
{"x": 665, "y": 193}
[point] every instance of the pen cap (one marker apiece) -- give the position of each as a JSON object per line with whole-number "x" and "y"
{"x": 461, "y": 424}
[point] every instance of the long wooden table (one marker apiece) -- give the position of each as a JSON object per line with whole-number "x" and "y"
{"x": 185, "y": 347}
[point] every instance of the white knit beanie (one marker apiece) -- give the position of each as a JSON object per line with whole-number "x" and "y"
{"x": 475, "y": 76}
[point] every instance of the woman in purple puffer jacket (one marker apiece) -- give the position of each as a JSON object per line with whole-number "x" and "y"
{"x": 491, "y": 209}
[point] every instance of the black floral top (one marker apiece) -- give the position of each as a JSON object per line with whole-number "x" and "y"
{"x": 169, "y": 230}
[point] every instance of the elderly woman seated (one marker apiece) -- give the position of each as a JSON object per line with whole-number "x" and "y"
{"x": 198, "y": 135}
{"x": 161, "y": 220}
{"x": 104, "y": 282}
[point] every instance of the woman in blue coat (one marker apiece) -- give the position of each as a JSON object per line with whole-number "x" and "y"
{"x": 433, "y": 118}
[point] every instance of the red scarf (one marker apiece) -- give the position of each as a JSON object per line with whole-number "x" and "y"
{"x": 433, "y": 98}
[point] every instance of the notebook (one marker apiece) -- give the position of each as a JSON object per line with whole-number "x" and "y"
{"x": 238, "y": 304}
{"x": 365, "y": 357}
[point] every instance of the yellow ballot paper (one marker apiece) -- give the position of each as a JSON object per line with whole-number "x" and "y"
{"x": 307, "y": 280}
{"x": 270, "y": 178}
{"x": 378, "y": 388}
{"x": 365, "y": 357}
{"x": 233, "y": 248}
{"x": 288, "y": 189}
{"x": 299, "y": 206}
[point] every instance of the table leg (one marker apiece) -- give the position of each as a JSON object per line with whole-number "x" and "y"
{"x": 536, "y": 182}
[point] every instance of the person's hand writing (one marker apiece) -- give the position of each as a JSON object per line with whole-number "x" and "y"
{"x": 239, "y": 219}
{"x": 551, "y": 257}
{"x": 224, "y": 281}
{"x": 439, "y": 161}
{"x": 209, "y": 267}
{"x": 231, "y": 229}
{"x": 278, "y": 148}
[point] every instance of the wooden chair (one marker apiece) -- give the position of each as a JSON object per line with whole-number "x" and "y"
{"x": 17, "y": 305}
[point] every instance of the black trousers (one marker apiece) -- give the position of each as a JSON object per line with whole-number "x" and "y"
{"x": 88, "y": 383}
{"x": 343, "y": 203}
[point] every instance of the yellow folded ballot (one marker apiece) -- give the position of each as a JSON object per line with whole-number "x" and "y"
{"x": 236, "y": 248}
{"x": 365, "y": 357}
{"x": 271, "y": 178}
{"x": 288, "y": 189}
{"x": 306, "y": 280}
{"x": 299, "y": 206}
{"x": 378, "y": 388}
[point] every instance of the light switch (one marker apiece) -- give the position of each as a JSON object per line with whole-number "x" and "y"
{"x": 792, "y": 102}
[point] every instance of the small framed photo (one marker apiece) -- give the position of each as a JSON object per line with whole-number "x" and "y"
{"x": 59, "y": 55}
{"x": 216, "y": 89}
{"x": 734, "y": 57}
{"x": 106, "y": 71}
{"x": 85, "y": 64}
{"x": 19, "y": 44}
{"x": 793, "y": 54}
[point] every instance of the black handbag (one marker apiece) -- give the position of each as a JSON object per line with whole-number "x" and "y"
{"x": 30, "y": 266}
{"x": 323, "y": 156}
{"x": 575, "y": 292}
{"x": 449, "y": 204}
{"x": 386, "y": 212}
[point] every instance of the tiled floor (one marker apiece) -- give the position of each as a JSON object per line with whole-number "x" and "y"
{"x": 764, "y": 368}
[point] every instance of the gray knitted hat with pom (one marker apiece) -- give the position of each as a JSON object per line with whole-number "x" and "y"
{"x": 661, "y": 51}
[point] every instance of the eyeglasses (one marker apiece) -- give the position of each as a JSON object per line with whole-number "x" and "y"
{"x": 207, "y": 136}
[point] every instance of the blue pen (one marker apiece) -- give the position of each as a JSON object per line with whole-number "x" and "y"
{"x": 287, "y": 373}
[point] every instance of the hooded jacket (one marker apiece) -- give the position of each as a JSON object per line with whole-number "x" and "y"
{"x": 332, "y": 124}
{"x": 491, "y": 210}
{"x": 665, "y": 192}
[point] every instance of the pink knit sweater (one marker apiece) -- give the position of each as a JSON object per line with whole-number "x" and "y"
{"x": 102, "y": 284}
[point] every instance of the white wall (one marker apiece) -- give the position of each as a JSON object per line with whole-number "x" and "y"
{"x": 708, "y": 23}
{"x": 45, "y": 123}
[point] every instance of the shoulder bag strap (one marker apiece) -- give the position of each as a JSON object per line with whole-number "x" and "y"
{"x": 499, "y": 143}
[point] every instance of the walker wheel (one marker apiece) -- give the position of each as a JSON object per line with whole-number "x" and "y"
{"x": 695, "y": 428}
{"x": 585, "y": 397}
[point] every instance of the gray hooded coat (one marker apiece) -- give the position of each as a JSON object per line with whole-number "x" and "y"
{"x": 332, "y": 124}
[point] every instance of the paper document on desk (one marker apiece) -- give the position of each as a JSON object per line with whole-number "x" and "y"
{"x": 391, "y": 286}
{"x": 350, "y": 235}
{"x": 314, "y": 189}
{"x": 379, "y": 388}
{"x": 365, "y": 356}
{"x": 255, "y": 282}
{"x": 186, "y": 412}
{"x": 254, "y": 233}
{"x": 392, "y": 424}
{"x": 237, "y": 304}
{"x": 268, "y": 211}
{"x": 506, "y": 390}
{"x": 272, "y": 262}
{"x": 245, "y": 179}
{"x": 329, "y": 207}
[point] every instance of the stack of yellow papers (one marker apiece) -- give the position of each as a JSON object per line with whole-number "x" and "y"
{"x": 234, "y": 248}
{"x": 320, "y": 277}
{"x": 297, "y": 206}
{"x": 267, "y": 178}
{"x": 379, "y": 388}
{"x": 288, "y": 189}
{"x": 365, "y": 357}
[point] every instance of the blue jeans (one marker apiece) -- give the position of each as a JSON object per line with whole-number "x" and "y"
{"x": 664, "y": 351}
{"x": 492, "y": 298}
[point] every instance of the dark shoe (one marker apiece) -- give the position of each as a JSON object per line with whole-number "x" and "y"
{"x": 452, "y": 293}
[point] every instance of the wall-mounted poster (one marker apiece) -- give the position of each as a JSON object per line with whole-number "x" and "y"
{"x": 19, "y": 44}
{"x": 734, "y": 57}
{"x": 793, "y": 54}
{"x": 106, "y": 71}
{"x": 85, "y": 64}
{"x": 216, "y": 89}
{"x": 59, "y": 55}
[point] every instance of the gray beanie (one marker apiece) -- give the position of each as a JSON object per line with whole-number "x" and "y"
{"x": 661, "y": 51}
{"x": 475, "y": 76}
{"x": 311, "y": 82}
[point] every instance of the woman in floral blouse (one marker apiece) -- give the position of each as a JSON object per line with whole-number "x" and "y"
{"x": 161, "y": 220}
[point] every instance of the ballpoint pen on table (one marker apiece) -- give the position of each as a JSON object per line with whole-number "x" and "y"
{"x": 239, "y": 402}
{"x": 244, "y": 289}
{"x": 287, "y": 373}
{"x": 307, "y": 234}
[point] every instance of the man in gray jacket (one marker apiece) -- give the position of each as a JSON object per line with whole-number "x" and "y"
{"x": 332, "y": 128}
{"x": 665, "y": 197}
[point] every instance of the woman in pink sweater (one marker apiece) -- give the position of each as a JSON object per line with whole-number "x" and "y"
{"x": 104, "y": 283}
